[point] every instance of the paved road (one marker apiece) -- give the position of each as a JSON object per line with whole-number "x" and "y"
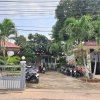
{"x": 55, "y": 86}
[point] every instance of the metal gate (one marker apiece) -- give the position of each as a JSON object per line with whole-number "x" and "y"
{"x": 12, "y": 77}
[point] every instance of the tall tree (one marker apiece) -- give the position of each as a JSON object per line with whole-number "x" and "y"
{"x": 96, "y": 25}
{"x": 78, "y": 30}
{"x": 30, "y": 36}
{"x": 26, "y": 49}
{"x": 54, "y": 49}
{"x": 39, "y": 44}
{"x": 7, "y": 27}
{"x": 76, "y": 9}
{"x": 21, "y": 41}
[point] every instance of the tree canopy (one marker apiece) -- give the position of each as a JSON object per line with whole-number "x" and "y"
{"x": 20, "y": 40}
{"x": 76, "y": 9}
{"x": 7, "y": 28}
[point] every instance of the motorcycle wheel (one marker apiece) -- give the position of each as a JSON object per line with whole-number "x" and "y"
{"x": 35, "y": 80}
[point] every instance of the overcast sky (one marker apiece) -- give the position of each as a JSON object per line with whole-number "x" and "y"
{"x": 30, "y": 16}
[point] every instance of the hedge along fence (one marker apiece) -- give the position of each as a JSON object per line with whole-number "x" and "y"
{"x": 14, "y": 60}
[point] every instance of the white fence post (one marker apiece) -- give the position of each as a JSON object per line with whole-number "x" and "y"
{"x": 23, "y": 83}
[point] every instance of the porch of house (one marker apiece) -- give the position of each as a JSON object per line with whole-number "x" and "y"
{"x": 90, "y": 49}
{"x": 46, "y": 61}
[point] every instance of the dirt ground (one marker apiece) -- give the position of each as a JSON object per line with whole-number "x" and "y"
{"x": 55, "y": 86}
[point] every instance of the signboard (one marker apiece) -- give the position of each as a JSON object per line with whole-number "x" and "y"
{"x": 10, "y": 53}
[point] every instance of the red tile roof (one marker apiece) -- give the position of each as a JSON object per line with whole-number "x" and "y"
{"x": 90, "y": 43}
{"x": 9, "y": 44}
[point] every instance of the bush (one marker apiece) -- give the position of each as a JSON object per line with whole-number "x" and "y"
{"x": 2, "y": 60}
{"x": 13, "y": 60}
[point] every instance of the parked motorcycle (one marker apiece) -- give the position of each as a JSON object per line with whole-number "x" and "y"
{"x": 77, "y": 72}
{"x": 43, "y": 70}
{"x": 32, "y": 75}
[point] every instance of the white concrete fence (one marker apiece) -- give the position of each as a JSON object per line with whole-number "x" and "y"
{"x": 12, "y": 77}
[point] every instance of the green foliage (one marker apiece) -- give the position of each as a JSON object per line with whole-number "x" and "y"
{"x": 9, "y": 60}
{"x": 26, "y": 48}
{"x": 96, "y": 24}
{"x": 56, "y": 28}
{"x": 30, "y": 36}
{"x": 78, "y": 30}
{"x": 74, "y": 8}
{"x": 13, "y": 60}
{"x": 28, "y": 52}
{"x": 2, "y": 60}
{"x": 61, "y": 62}
{"x": 39, "y": 38}
{"x": 79, "y": 57}
{"x": 7, "y": 28}
{"x": 39, "y": 43}
{"x": 21, "y": 41}
{"x": 54, "y": 48}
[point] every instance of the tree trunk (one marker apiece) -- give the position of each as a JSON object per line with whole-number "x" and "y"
{"x": 4, "y": 48}
{"x": 84, "y": 62}
{"x": 95, "y": 67}
{"x": 55, "y": 63}
{"x": 86, "y": 70}
{"x": 0, "y": 44}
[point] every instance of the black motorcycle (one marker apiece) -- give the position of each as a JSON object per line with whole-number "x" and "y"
{"x": 32, "y": 76}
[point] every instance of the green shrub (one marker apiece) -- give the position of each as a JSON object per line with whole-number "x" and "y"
{"x": 13, "y": 60}
{"x": 2, "y": 60}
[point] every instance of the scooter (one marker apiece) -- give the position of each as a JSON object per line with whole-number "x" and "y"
{"x": 32, "y": 76}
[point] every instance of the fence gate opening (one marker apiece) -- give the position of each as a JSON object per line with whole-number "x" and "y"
{"x": 12, "y": 77}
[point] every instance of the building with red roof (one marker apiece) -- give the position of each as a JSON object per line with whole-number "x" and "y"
{"x": 91, "y": 51}
{"x": 9, "y": 47}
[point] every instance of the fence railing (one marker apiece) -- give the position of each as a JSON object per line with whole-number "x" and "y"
{"x": 12, "y": 77}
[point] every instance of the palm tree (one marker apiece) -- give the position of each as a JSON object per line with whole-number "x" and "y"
{"x": 78, "y": 30}
{"x": 96, "y": 25}
{"x": 7, "y": 28}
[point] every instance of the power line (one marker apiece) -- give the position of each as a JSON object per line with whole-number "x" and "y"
{"x": 23, "y": 7}
{"x": 31, "y": 14}
{"x": 25, "y": 11}
{"x": 16, "y": 8}
{"x": 20, "y": 7}
{"x": 19, "y": 1}
{"x": 33, "y": 30}
{"x": 27, "y": 8}
{"x": 27, "y": 18}
{"x": 33, "y": 26}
